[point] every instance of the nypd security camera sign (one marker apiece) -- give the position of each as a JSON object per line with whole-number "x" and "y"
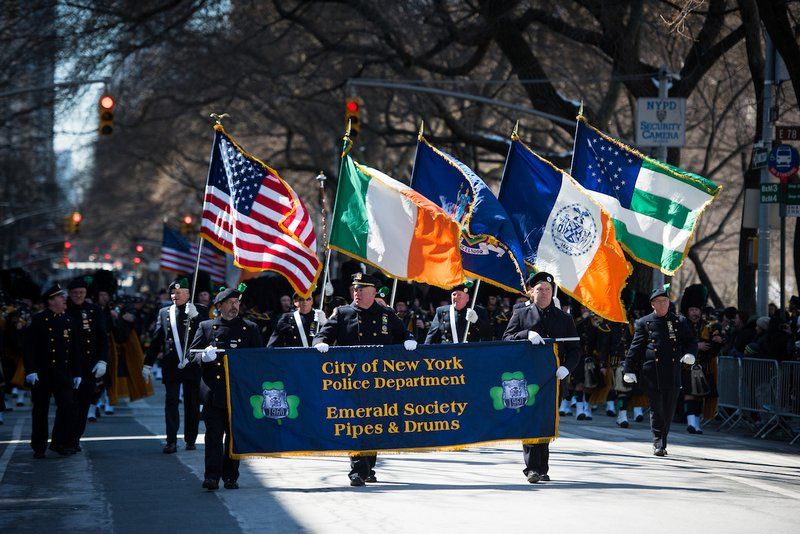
{"x": 660, "y": 122}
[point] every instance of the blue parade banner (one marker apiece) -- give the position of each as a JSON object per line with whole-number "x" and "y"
{"x": 287, "y": 402}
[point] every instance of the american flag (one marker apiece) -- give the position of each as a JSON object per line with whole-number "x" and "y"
{"x": 250, "y": 212}
{"x": 179, "y": 255}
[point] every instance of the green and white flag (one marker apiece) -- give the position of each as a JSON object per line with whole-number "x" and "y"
{"x": 655, "y": 206}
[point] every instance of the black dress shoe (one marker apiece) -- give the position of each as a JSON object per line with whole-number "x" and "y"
{"x": 170, "y": 448}
{"x": 544, "y": 478}
{"x": 38, "y": 455}
{"x": 211, "y": 485}
{"x": 231, "y": 484}
{"x": 659, "y": 452}
{"x": 371, "y": 478}
{"x": 639, "y": 418}
{"x": 191, "y": 447}
{"x": 533, "y": 477}
{"x": 356, "y": 480}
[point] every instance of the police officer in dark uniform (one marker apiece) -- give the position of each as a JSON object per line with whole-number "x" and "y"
{"x": 226, "y": 331}
{"x": 91, "y": 337}
{"x": 53, "y": 367}
{"x": 178, "y": 369}
{"x": 297, "y": 328}
{"x": 442, "y": 328}
{"x": 661, "y": 341}
{"x": 364, "y": 322}
{"x": 535, "y": 320}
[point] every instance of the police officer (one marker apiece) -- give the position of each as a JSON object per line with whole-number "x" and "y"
{"x": 450, "y": 322}
{"x": 91, "y": 338}
{"x": 536, "y": 319}
{"x": 661, "y": 341}
{"x": 364, "y": 322}
{"x": 226, "y": 331}
{"x": 297, "y": 328}
{"x": 178, "y": 370}
{"x": 53, "y": 367}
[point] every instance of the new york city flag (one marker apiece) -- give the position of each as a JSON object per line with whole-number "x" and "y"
{"x": 564, "y": 231}
{"x": 490, "y": 247}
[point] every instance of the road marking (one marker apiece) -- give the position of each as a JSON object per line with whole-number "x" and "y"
{"x": 17, "y": 441}
{"x": 16, "y": 433}
{"x": 709, "y": 469}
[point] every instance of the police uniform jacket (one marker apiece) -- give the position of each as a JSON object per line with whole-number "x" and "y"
{"x": 163, "y": 342}
{"x": 236, "y": 334}
{"x": 441, "y": 331}
{"x": 550, "y": 322}
{"x": 51, "y": 350}
{"x": 350, "y": 325}
{"x": 656, "y": 350}
{"x": 286, "y": 333}
{"x": 91, "y": 334}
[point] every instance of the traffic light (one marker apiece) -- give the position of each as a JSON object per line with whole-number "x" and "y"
{"x": 105, "y": 109}
{"x": 139, "y": 249}
{"x": 75, "y": 222}
{"x": 186, "y": 225}
{"x": 352, "y": 113}
{"x": 137, "y": 260}
{"x": 67, "y": 246}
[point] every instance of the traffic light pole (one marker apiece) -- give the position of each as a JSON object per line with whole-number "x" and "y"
{"x": 365, "y": 82}
{"x": 762, "y": 287}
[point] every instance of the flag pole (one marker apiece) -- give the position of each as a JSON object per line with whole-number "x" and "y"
{"x": 347, "y": 144}
{"x": 217, "y": 122}
{"x": 575, "y": 138}
{"x": 472, "y": 307}
{"x": 394, "y": 292}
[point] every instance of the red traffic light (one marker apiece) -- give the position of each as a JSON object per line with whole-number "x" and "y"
{"x": 139, "y": 249}
{"x": 107, "y": 102}
{"x": 76, "y": 217}
{"x": 187, "y": 219}
{"x": 352, "y": 106}
{"x": 67, "y": 245}
{"x": 137, "y": 260}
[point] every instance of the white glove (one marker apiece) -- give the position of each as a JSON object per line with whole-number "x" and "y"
{"x": 688, "y": 359}
{"x": 76, "y": 382}
{"x": 320, "y": 317}
{"x": 147, "y": 373}
{"x": 32, "y": 378}
{"x": 535, "y": 338}
{"x": 191, "y": 310}
{"x": 562, "y": 372}
{"x": 99, "y": 369}
{"x": 472, "y": 316}
{"x": 410, "y": 344}
{"x": 629, "y": 378}
{"x": 210, "y": 354}
{"x": 322, "y": 347}
{"x": 328, "y": 289}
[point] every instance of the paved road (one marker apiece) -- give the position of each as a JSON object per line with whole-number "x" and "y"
{"x": 604, "y": 480}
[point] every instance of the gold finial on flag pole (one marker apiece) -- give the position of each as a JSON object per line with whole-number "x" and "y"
{"x": 421, "y": 129}
{"x": 515, "y": 133}
{"x": 580, "y": 110}
{"x": 218, "y": 118}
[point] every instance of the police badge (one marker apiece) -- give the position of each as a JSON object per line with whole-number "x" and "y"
{"x": 274, "y": 404}
{"x": 515, "y": 393}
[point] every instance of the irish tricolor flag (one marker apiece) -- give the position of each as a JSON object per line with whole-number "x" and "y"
{"x": 655, "y": 206}
{"x": 565, "y": 232}
{"x": 385, "y": 223}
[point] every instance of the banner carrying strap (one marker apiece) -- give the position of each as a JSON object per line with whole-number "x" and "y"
{"x": 299, "y": 321}
{"x": 176, "y": 338}
{"x": 453, "y": 326}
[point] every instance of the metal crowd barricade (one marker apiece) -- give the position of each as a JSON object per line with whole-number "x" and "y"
{"x": 729, "y": 389}
{"x": 788, "y": 409}
{"x": 760, "y": 390}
